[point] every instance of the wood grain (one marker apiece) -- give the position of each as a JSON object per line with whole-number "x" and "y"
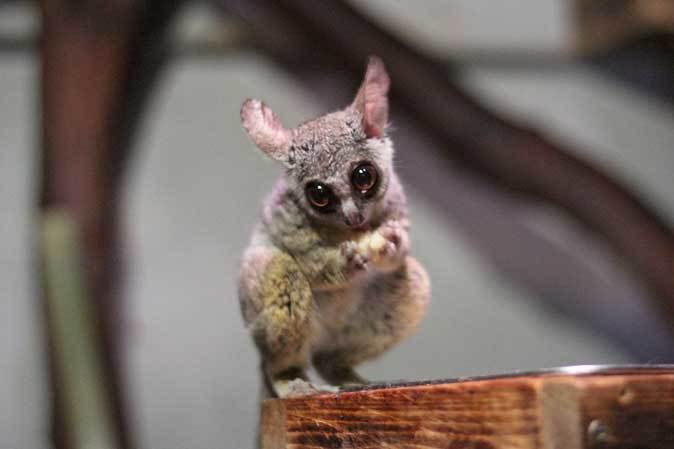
{"x": 547, "y": 411}
{"x": 633, "y": 412}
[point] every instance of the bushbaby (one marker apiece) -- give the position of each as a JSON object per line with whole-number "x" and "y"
{"x": 327, "y": 276}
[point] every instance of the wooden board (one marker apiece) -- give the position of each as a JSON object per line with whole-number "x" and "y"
{"x": 608, "y": 408}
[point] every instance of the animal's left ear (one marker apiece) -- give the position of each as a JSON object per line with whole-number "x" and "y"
{"x": 265, "y": 129}
{"x": 372, "y": 98}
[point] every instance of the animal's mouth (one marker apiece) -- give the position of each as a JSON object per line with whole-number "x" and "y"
{"x": 361, "y": 228}
{"x": 359, "y": 225}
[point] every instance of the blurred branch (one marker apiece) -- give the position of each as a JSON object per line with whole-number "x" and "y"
{"x": 99, "y": 64}
{"x": 84, "y": 56}
{"x": 85, "y": 397}
{"x": 604, "y": 24}
{"x": 16, "y": 44}
{"x": 515, "y": 156}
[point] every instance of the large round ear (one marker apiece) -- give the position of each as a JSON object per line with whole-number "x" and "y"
{"x": 265, "y": 129}
{"x": 372, "y": 98}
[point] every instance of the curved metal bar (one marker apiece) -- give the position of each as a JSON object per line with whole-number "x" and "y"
{"x": 572, "y": 370}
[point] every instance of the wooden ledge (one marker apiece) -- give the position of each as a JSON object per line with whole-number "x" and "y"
{"x": 625, "y": 407}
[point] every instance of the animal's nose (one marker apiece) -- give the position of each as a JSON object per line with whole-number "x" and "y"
{"x": 354, "y": 219}
{"x": 351, "y": 213}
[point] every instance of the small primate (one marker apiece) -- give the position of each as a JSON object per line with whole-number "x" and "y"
{"x": 327, "y": 276}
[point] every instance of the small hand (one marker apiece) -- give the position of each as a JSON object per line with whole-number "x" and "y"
{"x": 356, "y": 260}
{"x": 387, "y": 246}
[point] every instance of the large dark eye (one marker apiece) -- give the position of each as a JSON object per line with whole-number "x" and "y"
{"x": 320, "y": 196}
{"x": 364, "y": 177}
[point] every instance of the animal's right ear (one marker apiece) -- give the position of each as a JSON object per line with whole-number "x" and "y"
{"x": 372, "y": 98}
{"x": 265, "y": 129}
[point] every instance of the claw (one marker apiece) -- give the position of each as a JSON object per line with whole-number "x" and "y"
{"x": 357, "y": 261}
{"x": 300, "y": 387}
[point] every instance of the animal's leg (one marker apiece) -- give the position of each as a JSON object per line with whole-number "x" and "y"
{"x": 391, "y": 309}
{"x": 276, "y": 303}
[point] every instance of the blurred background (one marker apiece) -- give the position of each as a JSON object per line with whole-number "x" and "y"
{"x": 535, "y": 138}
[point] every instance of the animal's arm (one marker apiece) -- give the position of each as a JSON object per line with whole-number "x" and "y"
{"x": 326, "y": 265}
{"x": 389, "y": 243}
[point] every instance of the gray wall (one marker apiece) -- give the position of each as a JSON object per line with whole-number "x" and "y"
{"x": 193, "y": 194}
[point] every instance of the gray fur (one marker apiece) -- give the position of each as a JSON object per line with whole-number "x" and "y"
{"x": 306, "y": 289}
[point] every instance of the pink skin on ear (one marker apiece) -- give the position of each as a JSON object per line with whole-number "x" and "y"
{"x": 266, "y": 130}
{"x": 372, "y": 98}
